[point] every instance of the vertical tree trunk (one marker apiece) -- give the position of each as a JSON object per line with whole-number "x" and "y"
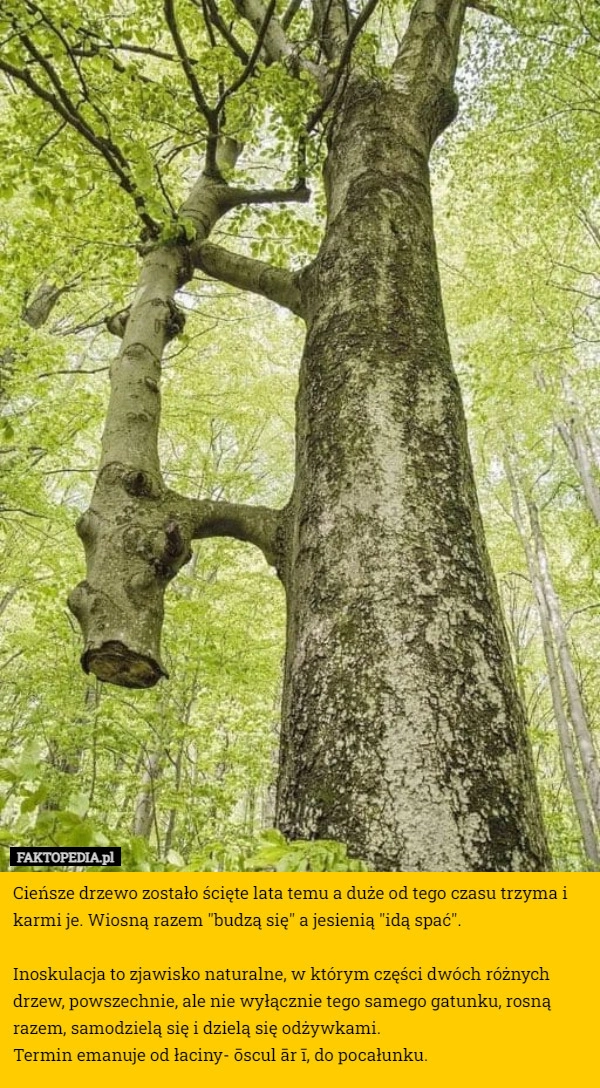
{"x": 578, "y": 442}
{"x": 403, "y": 734}
{"x": 137, "y": 533}
{"x": 578, "y": 415}
{"x": 173, "y": 812}
{"x": 145, "y": 807}
{"x": 585, "y": 741}
{"x": 65, "y": 758}
{"x": 576, "y": 786}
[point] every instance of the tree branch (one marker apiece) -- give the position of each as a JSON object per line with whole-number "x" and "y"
{"x": 485, "y": 9}
{"x": 252, "y": 59}
{"x": 332, "y": 22}
{"x": 70, "y": 52}
{"x": 208, "y": 23}
{"x": 96, "y": 49}
{"x": 344, "y": 61}
{"x": 186, "y": 64}
{"x": 276, "y": 44}
{"x": 425, "y": 64}
{"x": 37, "y": 308}
{"x": 56, "y": 80}
{"x": 434, "y": 30}
{"x": 50, "y": 72}
{"x": 259, "y": 525}
{"x": 290, "y": 13}
{"x": 120, "y": 605}
{"x": 277, "y": 284}
{"x": 591, "y": 227}
{"x": 235, "y": 198}
{"x": 225, "y": 32}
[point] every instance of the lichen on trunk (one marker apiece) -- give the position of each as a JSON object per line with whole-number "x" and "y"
{"x": 403, "y": 734}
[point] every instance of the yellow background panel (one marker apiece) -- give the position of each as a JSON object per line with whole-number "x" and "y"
{"x": 498, "y": 947}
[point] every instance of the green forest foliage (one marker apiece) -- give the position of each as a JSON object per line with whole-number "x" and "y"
{"x": 182, "y": 775}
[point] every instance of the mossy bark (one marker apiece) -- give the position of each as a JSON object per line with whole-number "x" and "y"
{"x": 403, "y": 734}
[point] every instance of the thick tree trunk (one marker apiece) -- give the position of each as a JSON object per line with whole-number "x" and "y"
{"x": 403, "y": 734}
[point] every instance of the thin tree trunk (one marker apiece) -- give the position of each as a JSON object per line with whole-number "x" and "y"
{"x": 576, "y": 407}
{"x": 577, "y": 713}
{"x": 576, "y": 786}
{"x": 576, "y": 444}
{"x": 64, "y": 758}
{"x": 177, "y": 763}
{"x": 173, "y": 812}
{"x": 144, "y": 812}
{"x": 579, "y": 444}
{"x": 580, "y": 456}
{"x": 515, "y": 625}
{"x": 7, "y": 598}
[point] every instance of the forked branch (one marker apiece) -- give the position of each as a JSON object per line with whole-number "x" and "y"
{"x": 343, "y": 64}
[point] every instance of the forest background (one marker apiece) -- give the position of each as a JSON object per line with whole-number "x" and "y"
{"x": 182, "y": 775}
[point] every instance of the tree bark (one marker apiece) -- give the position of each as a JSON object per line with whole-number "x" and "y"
{"x": 38, "y": 307}
{"x": 403, "y": 734}
{"x": 132, "y": 536}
